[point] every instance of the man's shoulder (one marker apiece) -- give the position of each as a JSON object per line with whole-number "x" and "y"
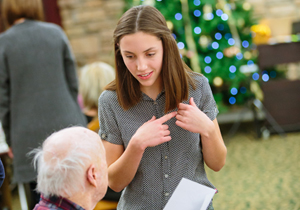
{"x": 56, "y": 203}
{"x": 49, "y": 203}
{"x": 46, "y": 207}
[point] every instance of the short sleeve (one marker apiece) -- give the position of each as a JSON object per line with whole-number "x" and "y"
{"x": 208, "y": 103}
{"x": 109, "y": 128}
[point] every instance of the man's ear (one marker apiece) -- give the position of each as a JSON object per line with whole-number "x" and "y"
{"x": 92, "y": 176}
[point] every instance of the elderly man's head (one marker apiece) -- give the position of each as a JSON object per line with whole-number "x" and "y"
{"x": 72, "y": 163}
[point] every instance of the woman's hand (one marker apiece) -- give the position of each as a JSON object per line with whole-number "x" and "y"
{"x": 153, "y": 132}
{"x": 191, "y": 118}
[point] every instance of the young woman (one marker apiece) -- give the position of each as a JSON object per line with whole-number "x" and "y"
{"x": 157, "y": 118}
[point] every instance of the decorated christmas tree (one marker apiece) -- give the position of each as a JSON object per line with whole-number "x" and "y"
{"x": 214, "y": 39}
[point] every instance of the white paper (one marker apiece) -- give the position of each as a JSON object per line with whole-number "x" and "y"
{"x": 190, "y": 195}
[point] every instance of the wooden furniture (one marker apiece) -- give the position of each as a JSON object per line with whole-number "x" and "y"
{"x": 271, "y": 55}
{"x": 106, "y": 205}
{"x": 281, "y": 97}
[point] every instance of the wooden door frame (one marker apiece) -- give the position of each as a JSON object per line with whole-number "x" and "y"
{"x": 51, "y": 11}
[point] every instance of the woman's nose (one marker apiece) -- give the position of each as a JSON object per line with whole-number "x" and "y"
{"x": 141, "y": 64}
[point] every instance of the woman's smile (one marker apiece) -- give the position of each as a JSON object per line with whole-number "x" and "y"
{"x": 145, "y": 76}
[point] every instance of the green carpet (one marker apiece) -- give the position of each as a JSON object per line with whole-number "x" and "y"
{"x": 259, "y": 174}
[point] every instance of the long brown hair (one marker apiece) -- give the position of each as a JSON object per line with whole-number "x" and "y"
{"x": 175, "y": 74}
{"x": 13, "y": 10}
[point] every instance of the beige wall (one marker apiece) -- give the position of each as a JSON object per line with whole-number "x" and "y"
{"x": 89, "y": 24}
{"x": 277, "y": 14}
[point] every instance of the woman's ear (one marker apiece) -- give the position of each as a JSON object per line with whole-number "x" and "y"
{"x": 92, "y": 175}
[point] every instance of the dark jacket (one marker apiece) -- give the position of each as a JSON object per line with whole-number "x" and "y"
{"x": 38, "y": 89}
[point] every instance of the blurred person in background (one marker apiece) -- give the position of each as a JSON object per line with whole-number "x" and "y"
{"x": 93, "y": 78}
{"x": 72, "y": 170}
{"x": 38, "y": 86}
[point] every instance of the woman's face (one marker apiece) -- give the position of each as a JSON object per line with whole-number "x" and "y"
{"x": 143, "y": 55}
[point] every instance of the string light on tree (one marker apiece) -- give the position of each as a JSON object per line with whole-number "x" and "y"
{"x": 204, "y": 41}
{"x": 208, "y": 15}
{"x": 218, "y": 81}
{"x": 246, "y": 6}
{"x": 170, "y": 25}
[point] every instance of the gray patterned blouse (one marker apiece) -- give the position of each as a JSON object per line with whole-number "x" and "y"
{"x": 163, "y": 166}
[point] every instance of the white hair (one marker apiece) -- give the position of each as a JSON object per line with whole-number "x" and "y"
{"x": 93, "y": 78}
{"x": 65, "y": 175}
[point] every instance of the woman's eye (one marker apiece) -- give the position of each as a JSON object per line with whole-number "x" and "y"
{"x": 129, "y": 56}
{"x": 151, "y": 54}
